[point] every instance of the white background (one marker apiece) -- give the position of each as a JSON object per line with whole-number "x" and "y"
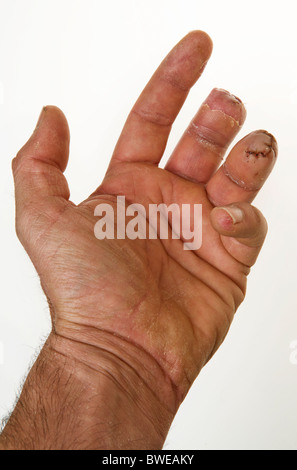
{"x": 92, "y": 59}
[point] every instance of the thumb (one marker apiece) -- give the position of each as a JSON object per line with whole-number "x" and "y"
{"x": 40, "y": 186}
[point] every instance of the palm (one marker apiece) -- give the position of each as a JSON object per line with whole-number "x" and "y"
{"x": 150, "y": 292}
{"x": 176, "y": 305}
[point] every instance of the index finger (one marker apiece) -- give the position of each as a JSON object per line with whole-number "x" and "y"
{"x": 148, "y": 125}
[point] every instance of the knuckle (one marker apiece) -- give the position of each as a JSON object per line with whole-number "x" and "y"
{"x": 152, "y": 116}
{"x": 208, "y": 137}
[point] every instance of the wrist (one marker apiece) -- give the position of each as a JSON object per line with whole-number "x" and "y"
{"x": 92, "y": 390}
{"x": 131, "y": 402}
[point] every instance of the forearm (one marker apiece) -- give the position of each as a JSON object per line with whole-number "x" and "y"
{"x": 78, "y": 396}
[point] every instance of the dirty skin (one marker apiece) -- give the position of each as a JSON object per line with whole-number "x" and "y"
{"x": 258, "y": 149}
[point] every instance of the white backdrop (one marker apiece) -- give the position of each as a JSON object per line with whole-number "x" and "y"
{"x": 92, "y": 59}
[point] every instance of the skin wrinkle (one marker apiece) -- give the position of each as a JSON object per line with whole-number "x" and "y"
{"x": 152, "y": 117}
{"x": 245, "y": 267}
{"x": 173, "y": 197}
{"x": 134, "y": 344}
{"x": 219, "y": 294}
{"x": 208, "y": 285}
{"x": 174, "y": 82}
{"x": 233, "y": 179}
{"x": 197, "y": 133}
{"x": 116, "y": 381}
{"x": 203, "y": 137}
{"x": 205, "y": 141}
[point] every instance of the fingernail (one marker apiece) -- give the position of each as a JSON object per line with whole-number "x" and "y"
{"x": 235, "y": 213}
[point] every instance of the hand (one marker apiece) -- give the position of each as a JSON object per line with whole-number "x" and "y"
{"x": 147, "y": 306}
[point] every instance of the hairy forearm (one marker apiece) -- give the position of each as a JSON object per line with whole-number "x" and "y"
{"x": 78, "y": 396}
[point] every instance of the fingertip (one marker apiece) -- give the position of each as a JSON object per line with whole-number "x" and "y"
{"x": 251, "y": 161}
{"x": 200, "y": 43}
{"x": 245, "y": 170}
{"x": 243, "y": 229}
{"x": 202, "y": 39}
{"x": 54, "y": 116}
{"x": 272, "y": 139}
{"x": 242, "y": 221}
{"x": 50, "y": 139}
{"x": 229, "y": 104}
{"x": 225, "y": 218}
